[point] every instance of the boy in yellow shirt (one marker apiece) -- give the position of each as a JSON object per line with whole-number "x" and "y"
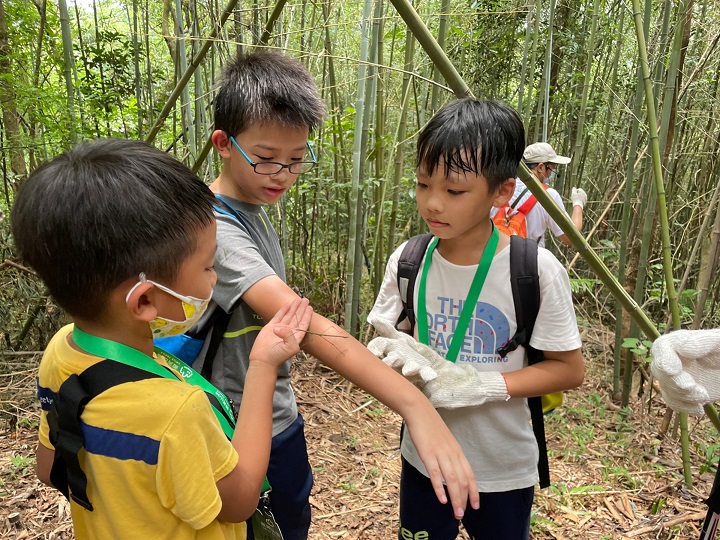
{"x": 123, "y": 235}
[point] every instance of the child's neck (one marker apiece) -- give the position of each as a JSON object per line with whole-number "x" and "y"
{"x": 468, "y": 248}
{"x": 224, "y": 185}
{"x": 139, "y": 337}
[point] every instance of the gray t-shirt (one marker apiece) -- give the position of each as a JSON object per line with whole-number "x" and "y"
{"x": 246, "y": 253}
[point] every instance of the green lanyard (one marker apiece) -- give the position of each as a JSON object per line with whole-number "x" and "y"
{"x": 470, "y": 302}
{"x": 112, "y": 350}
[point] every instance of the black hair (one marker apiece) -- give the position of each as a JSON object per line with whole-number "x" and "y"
{"x": 483, "y": 137}
{"x": 265, "y": 87}
{"x": 104, "y": 212}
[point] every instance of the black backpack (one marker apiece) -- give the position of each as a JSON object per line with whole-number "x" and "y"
{"x": 65, "y": 426}
{"x": 526, "y": 297}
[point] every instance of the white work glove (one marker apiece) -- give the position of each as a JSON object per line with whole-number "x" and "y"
{"x": 446, "y": 384}
{"x": 404, "y": 359}
{"x": 578, "y": 197}
{"x": 458, "y": 386}
{"x": 686, "y": 363}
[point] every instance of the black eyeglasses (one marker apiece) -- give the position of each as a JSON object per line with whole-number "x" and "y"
{"x": 272, "y": 167}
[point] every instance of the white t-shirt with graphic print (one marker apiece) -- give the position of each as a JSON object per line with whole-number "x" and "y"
{"x": 497, "y": 437}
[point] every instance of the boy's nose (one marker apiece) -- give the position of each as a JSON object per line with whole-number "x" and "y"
{"x": 283, "y": 175}
{"x": 433, "y": 203}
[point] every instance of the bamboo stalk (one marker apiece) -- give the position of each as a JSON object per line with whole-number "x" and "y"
{"x": 170, "y": 103}
{"x": 432, "y": 48}
{"x": 68, "y": 63}
{"x": 274, "y": 16}
{"x": 353, "y": 269}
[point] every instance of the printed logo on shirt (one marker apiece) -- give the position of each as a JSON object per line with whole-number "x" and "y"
{"x": 488, "y": 330}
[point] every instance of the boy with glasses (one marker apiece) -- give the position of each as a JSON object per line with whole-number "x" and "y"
{"x": 265, "y": 108}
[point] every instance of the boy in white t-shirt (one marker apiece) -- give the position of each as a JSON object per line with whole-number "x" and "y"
{"x": 467, "y": 160}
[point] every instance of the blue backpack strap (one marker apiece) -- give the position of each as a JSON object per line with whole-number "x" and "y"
{"x": 408, "y": 268}
{"x": 226, "y": 209}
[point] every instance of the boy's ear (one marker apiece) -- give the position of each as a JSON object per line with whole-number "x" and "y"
{"x": 221, "y": 142}
{"x": 504, "y": 193}
{"x": 141, "y": 302}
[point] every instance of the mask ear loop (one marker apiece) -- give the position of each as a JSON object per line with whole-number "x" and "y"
{"x": 142, "y": 279}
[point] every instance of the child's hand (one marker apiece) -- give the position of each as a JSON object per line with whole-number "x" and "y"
{"x": 280, "y": 338}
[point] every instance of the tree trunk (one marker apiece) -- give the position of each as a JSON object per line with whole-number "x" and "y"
{"x": 68, "y": 66}
{"x": 11, "y": 118}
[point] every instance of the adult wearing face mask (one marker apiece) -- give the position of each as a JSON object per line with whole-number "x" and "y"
{"x": 543, "y": 161}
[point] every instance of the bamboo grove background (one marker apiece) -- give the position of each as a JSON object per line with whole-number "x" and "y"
{"x": 141, "y": 69}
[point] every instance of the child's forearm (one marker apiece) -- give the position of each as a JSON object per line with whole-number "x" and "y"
{"x": 240, "y": 490}
{"x": 274, "y": 345}
{"x": 559, "y": 371}
{"x": 253, "y": 432}
{"x": 345, "y": 355}
{"x": 44, "y": 458}
{"x": 439, "y": 451}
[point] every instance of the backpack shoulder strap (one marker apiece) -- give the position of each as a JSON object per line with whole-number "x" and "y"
{"x": 519, "y": 198}
{"x": 408, "y": 268}
{"x": 525, "y": 284}
{"x": 528, "y": 205}
{"x": 218, "y": 322}
{"x": 224, "y": 207}
{"x": 217, "y": 328}
{"x": 531, "y": 202}
{"x": 65, "y": 425}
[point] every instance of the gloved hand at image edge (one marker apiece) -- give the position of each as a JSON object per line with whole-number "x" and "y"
{"x": 446, "y": 384}
{"x": 686, "y": 363}
{"x": 578, "y": 197}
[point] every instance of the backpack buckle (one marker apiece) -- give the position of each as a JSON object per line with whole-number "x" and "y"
{"x": 509, "y": 347}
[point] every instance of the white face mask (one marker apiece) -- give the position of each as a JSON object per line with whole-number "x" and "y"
{"x": 552, "y": 177}
{"x": 193, "y": 308}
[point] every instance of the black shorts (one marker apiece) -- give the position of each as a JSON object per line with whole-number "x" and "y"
{"x": 503, "y": 515}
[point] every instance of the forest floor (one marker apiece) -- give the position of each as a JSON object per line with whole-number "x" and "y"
{"x": 614, "y": 476}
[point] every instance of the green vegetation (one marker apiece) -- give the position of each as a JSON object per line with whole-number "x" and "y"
{"x": 632, "y": 93}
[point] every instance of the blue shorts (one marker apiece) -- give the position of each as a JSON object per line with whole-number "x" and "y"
{"x": 503, "y": 515}
{"x": 291, "y": 480}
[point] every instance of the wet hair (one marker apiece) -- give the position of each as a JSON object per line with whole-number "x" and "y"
{"x": 483, "y": 137}
{"x": 104, "y": 212}
{"x": 266, "y": 87}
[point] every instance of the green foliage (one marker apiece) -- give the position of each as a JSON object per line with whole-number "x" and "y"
{"x": 487, "y": 42}
{"x": 584, "y": 285}
{"x": 106, "y": 82}
{"x": 348, "y": 484}
{"x": 639, "y": 347}
{"x": 708, "y": 452}
{"x": 20, "y": 464}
